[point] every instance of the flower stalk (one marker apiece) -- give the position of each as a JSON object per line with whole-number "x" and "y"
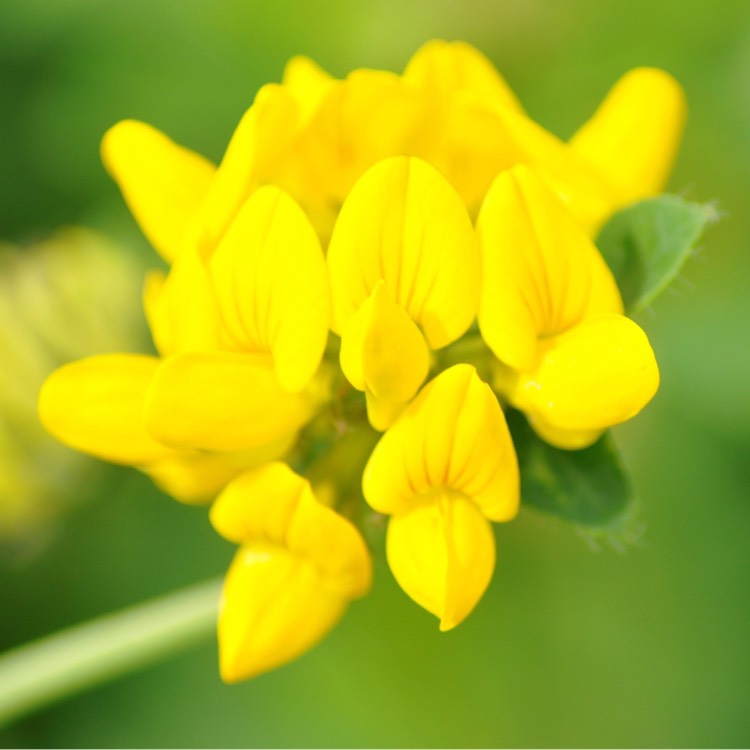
{"x": 68, "y": 662}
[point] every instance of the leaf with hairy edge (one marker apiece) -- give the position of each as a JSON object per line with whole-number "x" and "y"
{"x": 646, "y": 245}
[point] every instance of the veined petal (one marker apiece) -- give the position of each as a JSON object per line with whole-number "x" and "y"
{"x": 299, "y": 566}
{"x": 594, "y": 376}
{"x": 181, "y": 308}
{"x": 163, "y": 184}
{"x": 275, "y": 505}
{"x": 382, "y": 350}
{"x": 271, "y": 283}
{"x": 403, "y": 224}
{"x": 275, "y": 606}
{"x": 307, "y": 82}
{"x": 445, "y": 68}
{"x": 453, "y": 436}
{"x": 259, "y": 144}
{"x": 634, "y": 134}
{"x": 442, "y": 553}
{"x": 222, "y": 401}
{"x": 541, "y": 274}
{"x": 96, "y": 406}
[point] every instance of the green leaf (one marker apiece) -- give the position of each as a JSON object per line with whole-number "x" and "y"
{"x": 588, "y": 487}
{"x": 647, "y": 244}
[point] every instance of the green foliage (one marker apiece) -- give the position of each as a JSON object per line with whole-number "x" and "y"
{"x": 588, "y": 487}
{"x": 647, "y": 244}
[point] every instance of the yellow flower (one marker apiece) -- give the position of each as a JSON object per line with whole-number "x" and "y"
{"x": 551, "y": 313}
{"x": 299, "y": 566}
{"x": 315, "y": 136}
{"x": 444, "y": 468}
{"x": 349, "y": 206}
{"x": 404, "y": 270}
{"x": 246, "y": 329}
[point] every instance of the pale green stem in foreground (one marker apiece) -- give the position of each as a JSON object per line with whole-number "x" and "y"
{"x": 86, "y": 655}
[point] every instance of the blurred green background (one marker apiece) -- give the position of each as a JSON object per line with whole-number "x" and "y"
{"x": 571, "y": 646}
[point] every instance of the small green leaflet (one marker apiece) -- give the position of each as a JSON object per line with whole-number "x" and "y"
{"x": 647, "y": 244}
{"x": 588, "y": 487}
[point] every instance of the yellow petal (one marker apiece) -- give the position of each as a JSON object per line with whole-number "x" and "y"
{"x": 382, "y": 350}
{"x": 181, "y": 308}
{"x": 634, "y": 134}
{"x": 259, "y": 143}
{"x": 272, "y": 286}
{"x": 404, "y": 224}
{"x": 222, "y": 401}
{"x": 442, "y": 553}
{"x": 275, "y": 505}
{"x": 96, "y": 405}
{"x": 572, "y": 440}
{"x": 541, "y": 274}
{"x": 368, "y": 117}
{"x": 163, "y": 184}
{"x": 483, "y": 139}
{"x": 198, "y": 477}
{"x": 598, "y": 374}
{"x": 299, "y": 565}
{"x": 452, "y": 436}
{"x": 307, "y": 82}
{"x": 275, "y": 607}
{"x": 445, "y": 68}
{"x": 381, "y": 413}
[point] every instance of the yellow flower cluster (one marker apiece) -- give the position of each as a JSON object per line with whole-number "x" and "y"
{"x": 417, "y": 217}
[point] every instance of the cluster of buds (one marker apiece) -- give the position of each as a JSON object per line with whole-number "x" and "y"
{"x": 67, "y": 296}
{"x": 378, "y": 266}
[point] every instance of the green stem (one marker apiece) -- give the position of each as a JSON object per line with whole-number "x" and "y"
{"x": 86, "y": 655}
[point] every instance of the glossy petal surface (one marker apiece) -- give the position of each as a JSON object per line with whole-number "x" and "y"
{"x": 442, "y": 553}
{"x": 221, "y": 401}
{"x": 596, "y": 375}
{"x": 96, "y": 405}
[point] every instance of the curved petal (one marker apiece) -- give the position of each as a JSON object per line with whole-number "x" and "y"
{"x": 453, "y": 436}
{"x": 163, "y": 184}
{"x": 445, "y": 68}
{"x": 384, "y": 353}
{"x": 299, "y": 565}
{"x": 181, "y": 308}
{"x": 96, "y": 406}
{"x": 274, "y": 608}
{"x": 541, "y": 274}
{"x": 403, "y": 223}
{"x": 442, "y": 553}
{"x": 258, "y": 145}
{"x": 598, "y": 374}
{"x": 634, "y": 135}
{"x": 275, "y": 505}
{"x": 197, "y": 477}
{"x": 271, "y": 284}
{"x": 222, "y": 401}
